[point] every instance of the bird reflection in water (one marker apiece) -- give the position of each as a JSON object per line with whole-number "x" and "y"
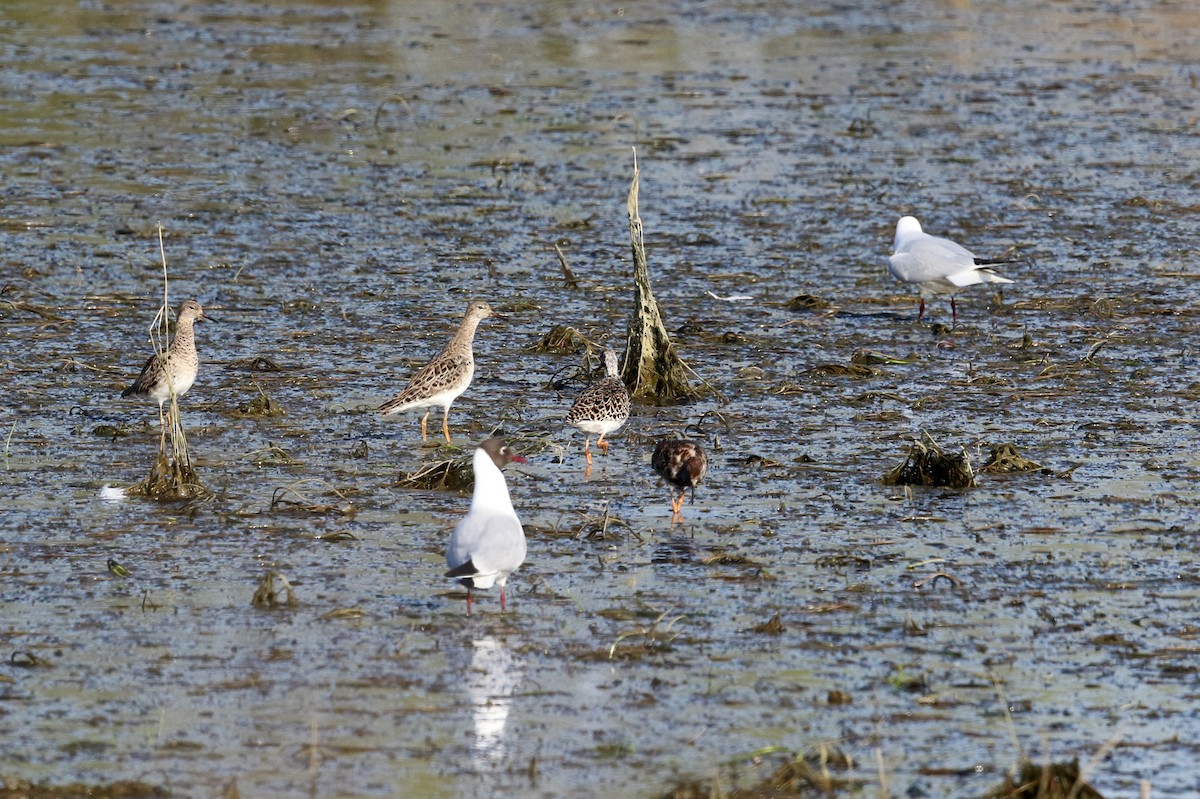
{"x": 494, "y": 674}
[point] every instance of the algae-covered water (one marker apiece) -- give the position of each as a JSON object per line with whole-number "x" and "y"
{"x": 334, "y": 182}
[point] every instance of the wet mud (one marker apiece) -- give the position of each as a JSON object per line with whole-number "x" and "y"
{"x": 336, "y": 179}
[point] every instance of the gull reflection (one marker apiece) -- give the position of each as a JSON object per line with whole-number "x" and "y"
{"x": 495, "y": 672}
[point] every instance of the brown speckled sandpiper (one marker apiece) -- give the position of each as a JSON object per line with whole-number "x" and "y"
{"x": 173, "y": 370}
{"x": 682, "y": 464}
{"x": 602, "y": 407}
{"x": 442, "y": 380}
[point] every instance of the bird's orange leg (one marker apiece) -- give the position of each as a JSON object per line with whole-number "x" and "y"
{"x": 424, "y": 423}
{"x": 446, "y": 424}
{"x": 602, "y": 444}
{"x": 587, "y": 449}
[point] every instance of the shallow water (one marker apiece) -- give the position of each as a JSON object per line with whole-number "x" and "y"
{"x": 336, "y": 179}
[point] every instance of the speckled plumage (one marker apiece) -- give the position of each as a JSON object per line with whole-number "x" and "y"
{"x": 682, "y": 464}
{"x": 444, "y": 379}
{"x": 601, "y": 407}
{"x": 488, "y": 544}
{"x": 174, "y": 369}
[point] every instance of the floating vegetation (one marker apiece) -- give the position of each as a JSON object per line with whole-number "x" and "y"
{"x": 844, "y": 370}
{"x": 171, "y": 478}
{"x": 274, "y": 592}
{"x": 259, "y": 363}
{"x": 338, "y": 535}
{"x": 273, "y": 455}
{"x": 1005, "y": 458}
{"x": 450, "y": 474}
{"x": 598, "y": 526}
{"x": 456, "y": 473}
{"x": 753, "y": 570}
{"x": 344, "y": 613}
{"x": 123, "y": 789}
{"x": 28, "y": 660}
{"x": 928, "y": 465}
{"x": 289, "y": 497}
{"x": 561, "y": 340}
{"x": 110, "y": 431}
{"x": 874, "y": 356}
{"x": 1053, "y": 781}
{"x": 806, "y": 302}
{"x": 772, "y": 626}
{"x": 655, "y": 637}
{"x": 811, "y": 774}
{"x": 259, "y": 407}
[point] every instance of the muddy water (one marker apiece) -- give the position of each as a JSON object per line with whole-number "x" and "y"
{"x": 335, "y": 180}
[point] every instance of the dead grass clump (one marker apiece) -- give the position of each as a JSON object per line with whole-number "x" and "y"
{"x": 811, "y": 774}
{"x": 123, "y": 789}
{"x": 274, "y": 592}
{"x": 874, "y": 356}
{"x": 291, "y": 497}
{"x": 928, "y": 465}
{"x": 457, "y": 473}
{"x": 844, "y": 370}
{"x": 806, "y": 302}
{"x": 1053, "y": 781}
{"x": 1005, "y": 458}
{"x": 644, "y": 641}
{"x": 170, "y": 478}
{"x": 448, "y": 474}
{"x": 772, "y": 626}
{"x": 258, "y": 408}
{"x": 561, "y": 340}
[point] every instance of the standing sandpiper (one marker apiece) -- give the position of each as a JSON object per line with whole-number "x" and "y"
{"x": 601, "y": 407}
{"x": 682, "y": 464}
{"x": 442, "y": 380}
{"x": 174, "y": 370}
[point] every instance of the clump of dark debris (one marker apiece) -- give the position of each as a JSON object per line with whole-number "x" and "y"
{"x": 1052, "y": 781}
{"x": 928, "y": 464}
{"x": 1005, "y": 458}
{"x": 821, "y": 771}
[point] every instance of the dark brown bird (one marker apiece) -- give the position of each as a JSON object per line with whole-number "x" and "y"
{"x": 681, "y": 463}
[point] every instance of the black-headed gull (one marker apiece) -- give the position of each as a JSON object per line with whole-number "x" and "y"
{"x": 681, "y": 463}
{"x": 488, "y": 544}
{"x": 937, "y": 265}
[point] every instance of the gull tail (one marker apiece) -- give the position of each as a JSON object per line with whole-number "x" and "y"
{"x": 463, "y": 570}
